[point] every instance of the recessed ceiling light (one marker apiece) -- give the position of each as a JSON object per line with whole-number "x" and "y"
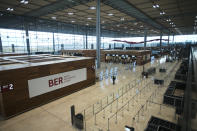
{"x": 1, "y": 14}
{"x": 110, "y": 14}
{"x": 118, "y": 25}
{"x": 138, "y": 31}
{"x": 24, "y": 2}
{"x": 89, "y": 18}
{"x": 92, "y": 7}
{"x": 72, "y": 21}
{"x": 122, "y": 19}
{"x": 131, "y": 29}
{"x": 168, "y": 20}
{"x": 53, "y": 17}
{"x": 156, "y": 6}
{"x": 162, "y": 13}
{"x": 10, "y": 9}
{"x": 125, "y": 27}
{"x": 141, "y": 26}
{"x": 87, "y": 24}
{"x": 70, "y": 13}
{"x": 103, "y": 21}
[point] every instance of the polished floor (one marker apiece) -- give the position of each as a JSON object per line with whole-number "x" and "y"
{"x": 131, "y": 101}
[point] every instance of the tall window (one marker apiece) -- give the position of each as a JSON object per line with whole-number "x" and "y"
{"x": 13, "y": 38}
{"x": 41, "y": 41}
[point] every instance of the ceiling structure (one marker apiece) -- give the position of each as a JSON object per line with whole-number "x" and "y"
{"x": 129, "y": 17}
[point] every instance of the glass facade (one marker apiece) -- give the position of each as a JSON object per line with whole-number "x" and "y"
{"x": 41, "y": 41}
{"x": 15, "y": 41}
{"x": 13, "y": 38}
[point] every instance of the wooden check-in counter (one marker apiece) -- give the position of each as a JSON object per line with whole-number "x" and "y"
{"x": 142, "y": 56}
{"x": 11, "y": 54}
{"x": 29, "y": 81}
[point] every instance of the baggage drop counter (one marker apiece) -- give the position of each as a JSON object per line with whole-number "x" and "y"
{"x": 29, "y": 81}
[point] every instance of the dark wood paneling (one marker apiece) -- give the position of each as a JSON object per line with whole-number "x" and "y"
{"x": 17, "y": 100}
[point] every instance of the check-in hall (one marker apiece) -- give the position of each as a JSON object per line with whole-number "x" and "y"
{"x": 98, "y": 65}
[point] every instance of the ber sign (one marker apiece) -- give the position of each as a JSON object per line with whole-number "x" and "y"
{"x": 50, "y": 83}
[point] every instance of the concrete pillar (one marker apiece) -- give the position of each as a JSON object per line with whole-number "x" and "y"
{"x": 122, "y": 46}
{"x": 62, "y": 46}
{"x": 53, "y": 43}
{"x": 13, "y": 48}
{"x": 1, "y": 45}
{"x": 145, "y": 39}
{"x": 168, "y": 39}
{"x": 109, "y": 46}
{"x": 86, "y": 39}
{"x": 160, "y": 41}
{"x": 27, "y": 39}
{"x": 98, "y": 34}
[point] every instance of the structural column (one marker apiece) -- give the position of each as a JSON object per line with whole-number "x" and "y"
{"x": 86, "y": 39}
{"x": 145, "y": 39}
{"x": 27, "y": 38}
{"x": 160, "y": 41}
{"x": 98, "y": 34}
{"x": 173, "y": 39}
{"x": 168, "y": 39}
{"x": 53, "y": 43}
{"x": 1, "y": 46}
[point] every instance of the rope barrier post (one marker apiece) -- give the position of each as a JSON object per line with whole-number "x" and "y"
{"x": 93, "y": 109}
{"x": 133, "y": 120}
{"x": 160, "y": 109}
{"x": 101, "y": 105}
{"x": 95, "y": 119}
{"x": 116, "y": 121}
{"x": 128, "y": 106}
{"x": 104, "y": 114}
{"x": 111, "y": 108}
{"x": 84, "y": 120}
{"x": 107, "y": 100}
{"x": 108, "y": 124}
{"x": 117, "y": 105}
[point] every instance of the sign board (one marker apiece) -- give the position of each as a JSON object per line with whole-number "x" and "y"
{"x": 6, "y": 88}
{"x": 50, "y": 83}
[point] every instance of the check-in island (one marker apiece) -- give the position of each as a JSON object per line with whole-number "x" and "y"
{"x": 29, "y": 81}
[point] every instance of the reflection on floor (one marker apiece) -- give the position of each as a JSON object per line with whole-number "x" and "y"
{"x": 131, "y": 101}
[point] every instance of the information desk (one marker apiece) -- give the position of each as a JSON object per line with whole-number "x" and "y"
{"x": 30, "y": 81}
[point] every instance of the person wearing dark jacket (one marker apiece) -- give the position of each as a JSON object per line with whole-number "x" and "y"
{"x": 113, "y": 79}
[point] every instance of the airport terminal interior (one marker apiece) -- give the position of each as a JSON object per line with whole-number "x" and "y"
{"x": 98, "y": 65}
